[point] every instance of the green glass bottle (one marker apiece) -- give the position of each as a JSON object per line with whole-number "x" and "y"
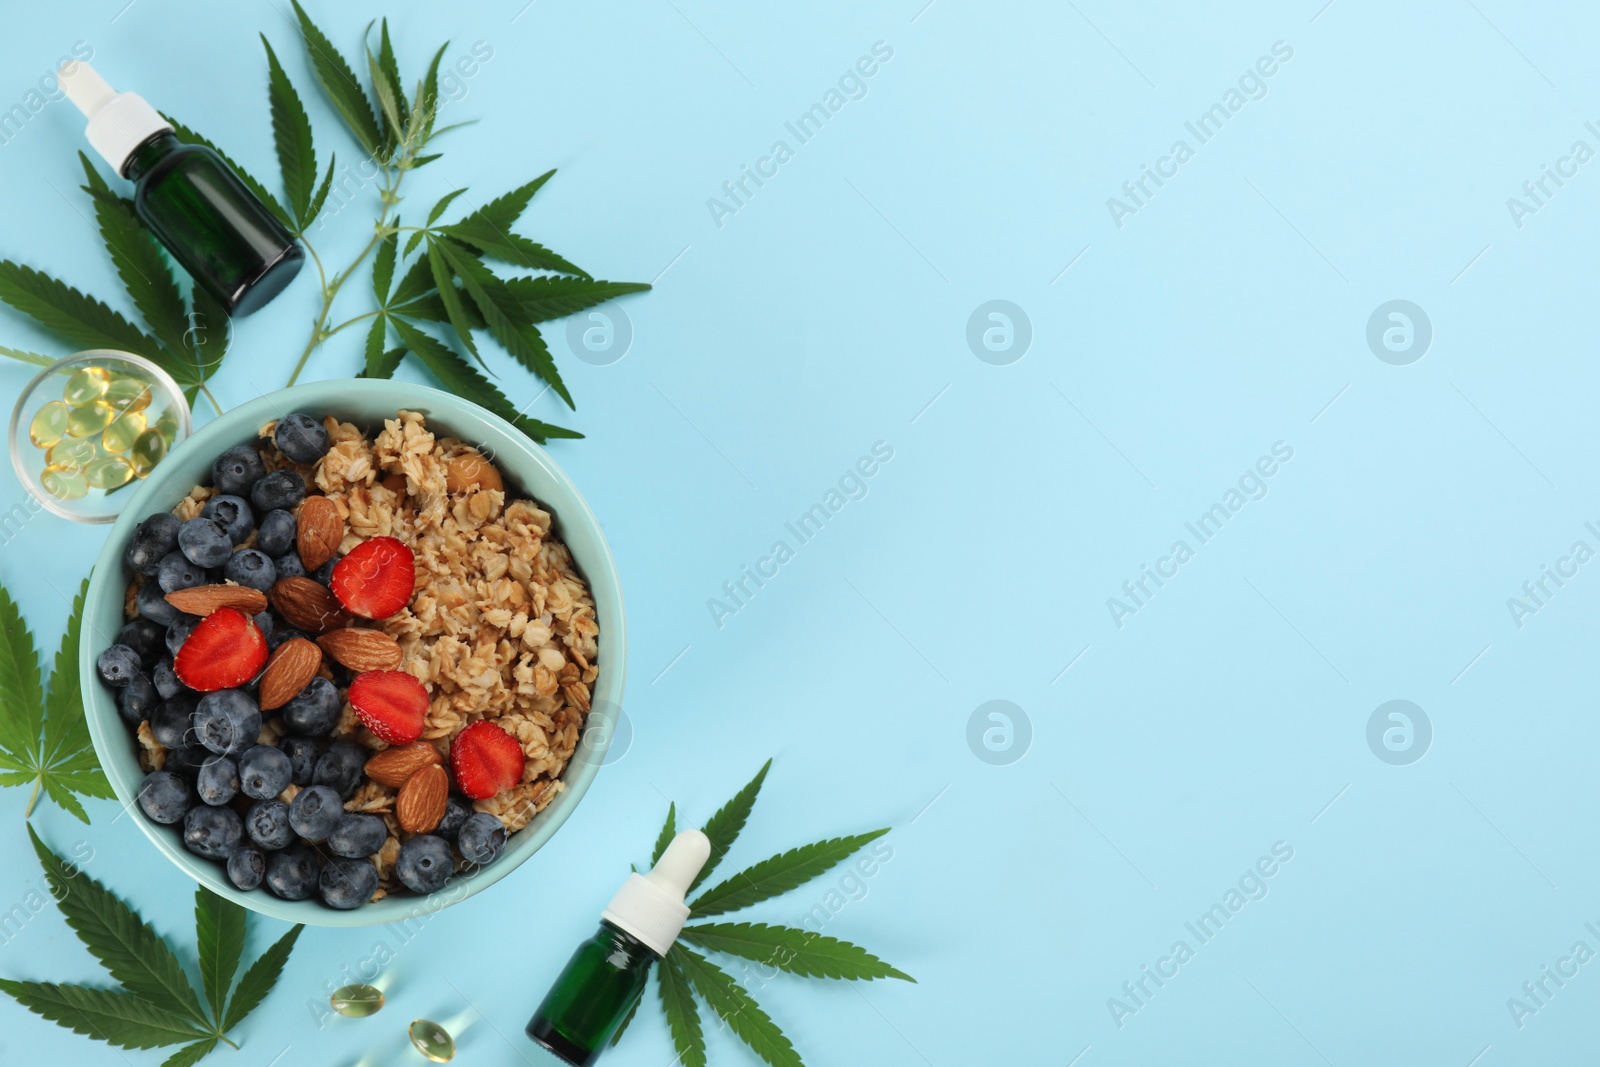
{"x": 604, "y": 979}
{"x": 215, "y": 227}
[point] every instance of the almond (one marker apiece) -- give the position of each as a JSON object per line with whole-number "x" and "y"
{"x": 421, "y": 802}
{"x": 204, "y": 599}
{"x": 362, "y": 650}
{"x": 308, "y": 605}
{"x": 395, "y": 482}
{"x": 321, "y": 528}
{"x": 393, "y": 766}
{"x": 290, "y": 669}
{"x": 471, "y": 471}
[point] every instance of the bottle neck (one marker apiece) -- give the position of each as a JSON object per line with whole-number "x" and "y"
{"x": 622, "y": 941}
{"x": 150, "y": 152}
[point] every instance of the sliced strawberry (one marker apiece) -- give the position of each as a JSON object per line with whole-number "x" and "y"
{"x": 226, "y": 649}
{"x": 485, "y": 760}
{"x": 392, "y": 704}
{"x": 376, "y": 579}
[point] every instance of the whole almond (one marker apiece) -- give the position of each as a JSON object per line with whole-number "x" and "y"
{"x": 393, "y": 766}
{"x": 421, "y": 802}
{"x": 362, "y": 650}
{"x": 308, "y": 605}
{"x": 204, "y": 599}
{"x": 289, "y": 670}
{"x": 470, "y": 470}
{"x": 321, "y": 528}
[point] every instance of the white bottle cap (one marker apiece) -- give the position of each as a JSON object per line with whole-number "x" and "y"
{"x": 118, "y": 122}
{"x": 650, "y": 906}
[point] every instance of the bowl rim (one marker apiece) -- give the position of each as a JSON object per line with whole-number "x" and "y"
{"x": 454, "y": 416}
{"x": 90, "y": 355}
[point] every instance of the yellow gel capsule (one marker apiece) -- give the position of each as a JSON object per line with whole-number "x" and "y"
{"x": 108, "y": 472}
{"x": 128, "y": 394}
{"x": 432, "y": 1040}
{"x": 167, "y": 425}
{"x": 88, "y": 384}
{"x": 49, "y": 424}
{"x": 64, "y": 484}
{"x": 149, "y": 448}
{"x": 70, "y": 453}
{"x": 122, "y": 432}
{"x": 357, "y": 1001}
{"x": 90, "y": 419}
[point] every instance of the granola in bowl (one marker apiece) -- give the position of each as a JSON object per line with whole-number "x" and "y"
{"x": 425, "y": 613}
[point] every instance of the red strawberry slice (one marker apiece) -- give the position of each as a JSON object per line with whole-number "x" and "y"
{"x": 376, "y": 579}
{"x": 226, "y": 649}
{"x": 485, "y": 760}
{"x": 392, "y": 704}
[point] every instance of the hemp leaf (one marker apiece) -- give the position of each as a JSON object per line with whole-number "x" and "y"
{"x": 44, "y": 739}
{"x": 157, "y": 1006}
{"x": 685, "y": 975}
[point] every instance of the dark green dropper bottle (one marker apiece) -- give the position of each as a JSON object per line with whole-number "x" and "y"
{"x": 606, "y": 976}
{"x": 214, "y": 226}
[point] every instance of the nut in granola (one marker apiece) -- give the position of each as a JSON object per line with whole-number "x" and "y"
{"x": 308, "y": 605}
{"x": 290, "y": 670}
{"x": 204, "y": 599}
{"x": 362, "y": 650}
{"x": 394, "y": 765}
{"x": 321, "y": 528}
{"x": 421, "y": 802}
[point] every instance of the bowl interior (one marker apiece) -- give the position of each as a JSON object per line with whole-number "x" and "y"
{"x": 365, "y": 402}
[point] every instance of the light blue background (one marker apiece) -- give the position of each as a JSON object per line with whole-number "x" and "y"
{"x": 1228, "y": 314}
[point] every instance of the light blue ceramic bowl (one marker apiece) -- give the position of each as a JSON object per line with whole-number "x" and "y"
{"x": 366, "y": 403}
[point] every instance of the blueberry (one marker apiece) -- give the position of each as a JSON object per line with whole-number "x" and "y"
{"x": 315, "y": 710}
{"x": 212, "y": 832}
{"x": 425, "y": 862}
{"x": 144, "y": 637}
{"x": 237, "y": 469}
{"x": 264, "y": 771}
{"x": 218, "y": 782}
{"x": 153, "y": 539}
{"x": 481, "y": 838}
{"x": 166, "y": 680}
{"x": 265, "y": 621}
{"x": 324, "y": 573}
{"x": 187, "y": 759}
{"x": 280, "y": 489}
{"x": 251, "y": 567}
{"x": 135, "y": 700}
{"x": 347, "y": 883}
{"x": 245, "y": 867}
{"x": 233, "y": 514}
{"x": 356, "y": 835}
{"x": 267, "y": 823}
{"x": 173, "y": 721}
{"x": 301, "y": 438}
{"x": 314, "y": 811}
{"x": 292, "y": 873}
{"x": 303, "y": 753}
{"x": 227, "y": 722}
{"x": 340, "y": 767}
{"x": 179, "y": 630}
{"x": 456, "y": 811}
{"x": 152, "y": 601}
{"x": 276, "y": 534}
{"x": 164, "y": 797}
{"x": 204, "y": 542}
{"x": 288, "y": 565}
{"x": 281, "y": 635}
{"x": 118, "y": 665}
{"x": 178, "y": 573}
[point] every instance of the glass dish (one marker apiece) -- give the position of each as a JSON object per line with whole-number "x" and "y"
{"x": 90, "y": 427}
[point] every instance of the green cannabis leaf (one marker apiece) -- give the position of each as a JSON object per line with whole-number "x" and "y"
{"x": 44, "y": 740}
{"x": 447, "y": 293}
{"x": 156, "y": 1006}
{"x": 685, "y": 974}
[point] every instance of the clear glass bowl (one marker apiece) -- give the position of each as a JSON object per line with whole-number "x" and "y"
{"x": 90, "y": 427}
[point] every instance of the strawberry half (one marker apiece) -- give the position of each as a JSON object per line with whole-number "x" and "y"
{"x": 226, "y": 649}
{"x": 376, "y": 579}
{"x": 392, "y": 704}
{"x": 485, "y": 760}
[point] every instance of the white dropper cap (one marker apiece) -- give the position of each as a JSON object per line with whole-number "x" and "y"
{"x": 650, "y": 906}
{"x": 118, "y": 122}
